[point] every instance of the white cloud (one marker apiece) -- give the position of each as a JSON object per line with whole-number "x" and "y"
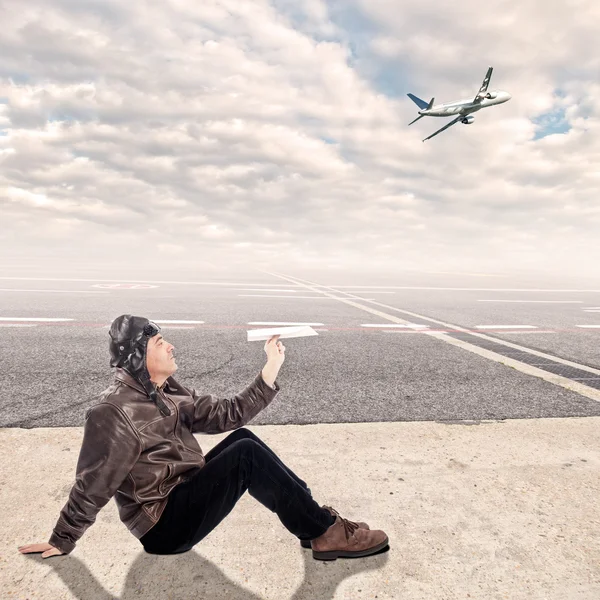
{"x": 251, "y": 131}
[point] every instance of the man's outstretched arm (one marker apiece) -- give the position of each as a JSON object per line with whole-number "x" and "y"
{"x": 216, "y": 415}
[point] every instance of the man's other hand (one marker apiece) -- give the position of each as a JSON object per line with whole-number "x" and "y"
{"x": 47, "y": 549}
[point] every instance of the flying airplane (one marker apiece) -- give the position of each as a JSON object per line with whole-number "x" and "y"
{"x": 462, "y": 108}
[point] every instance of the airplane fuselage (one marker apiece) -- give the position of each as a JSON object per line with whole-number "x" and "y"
{"x": 464, "y": 107}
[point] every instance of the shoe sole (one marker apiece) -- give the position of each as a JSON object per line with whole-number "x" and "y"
{"x": 334, "y": 554}
{"x": 305, "y": 543}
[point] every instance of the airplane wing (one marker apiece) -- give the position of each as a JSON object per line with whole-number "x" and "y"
{"x": 484, "y": 85}
{"x": 445, "y": 127}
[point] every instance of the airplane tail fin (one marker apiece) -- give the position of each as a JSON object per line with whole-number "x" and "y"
{"x": 421, "y": 103}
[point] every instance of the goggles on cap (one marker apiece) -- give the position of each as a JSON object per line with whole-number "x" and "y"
{"x": 151, "y": 329}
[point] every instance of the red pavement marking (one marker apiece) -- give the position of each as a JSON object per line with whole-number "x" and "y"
{"x": 124, "y": 286}
{"x": 329, "y": 328}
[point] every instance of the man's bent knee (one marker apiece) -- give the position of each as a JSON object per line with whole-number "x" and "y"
{"x": 242, "y": 433}
{"x": 246, "y": 444}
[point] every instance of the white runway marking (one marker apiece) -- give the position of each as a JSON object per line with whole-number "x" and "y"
{"x": 538, "y": 301}
{"x": 362, "y": 287}
{"x": 16, "y": 325}
{"x": 125, "y": 286}
{"x": 589, "y": 326}
{"x": 50, "y": 320}
{"x": 453, "y": 289}
{"x": 295, "y": 297}
{"x": 505, "y": 327}
{"x": 388, "y": 325}
{"x": 282, "y": 323}
{"x": 165, "y": 327}
{"x": 54, "y": 291}
{"x": 230, "y": 284}
{"x": 522, "y": 332}
{"x": 564, "y": 382}
{"x": 370, "y": 292}
{"x": 180, "y": 322}
{"x": 257, "y": 290}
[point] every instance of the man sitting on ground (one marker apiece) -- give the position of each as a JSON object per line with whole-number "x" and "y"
{"x": 138, "y": 446}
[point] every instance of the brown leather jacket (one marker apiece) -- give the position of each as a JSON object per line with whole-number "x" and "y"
{"x": 132, "y": 452}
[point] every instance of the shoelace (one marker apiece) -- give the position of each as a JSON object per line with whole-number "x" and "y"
{"x": 349, "y": 526}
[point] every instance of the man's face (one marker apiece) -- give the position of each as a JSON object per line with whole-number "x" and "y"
{"x": 159, "y": 358}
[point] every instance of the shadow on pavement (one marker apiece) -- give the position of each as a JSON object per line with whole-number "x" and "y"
{"x": 190, "y": 576}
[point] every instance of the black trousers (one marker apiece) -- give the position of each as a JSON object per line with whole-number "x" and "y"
{"x": 238, "y": 463}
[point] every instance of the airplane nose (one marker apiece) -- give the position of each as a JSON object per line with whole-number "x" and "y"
{"x": 508, "y": 96}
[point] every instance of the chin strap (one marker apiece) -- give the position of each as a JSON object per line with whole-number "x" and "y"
{"x": 164, "y": 409}
{"x": 150, "y": 388}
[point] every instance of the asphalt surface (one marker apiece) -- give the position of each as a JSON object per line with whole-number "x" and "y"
{"x": 53, "y": 371}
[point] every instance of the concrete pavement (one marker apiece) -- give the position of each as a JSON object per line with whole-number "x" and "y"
{"x": 488, "y": 510}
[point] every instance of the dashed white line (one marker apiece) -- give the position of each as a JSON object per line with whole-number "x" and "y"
{"x": 589, "y": 326}
{"x": 179, "y": 322}
{"x": 394, "y": 325}
{"x": 50, "y": 320}
{"x": 370, "y": 292}
{"x": 282, "y": 323}
{"x": 16, "y": 325}
{"x": 53, "y": 291}
{"x": 454, "y": 289}
{"x": 505, "y": 327}
{"x": 522, "y": 332}
{"x": 363, "y": 287}
{"x": 295, "y": 297}
{"x": 257, "y": 290}
{"x": 556, "y": 379}
{"x": 538, "y": 301}
{"x": 229, "y": 283}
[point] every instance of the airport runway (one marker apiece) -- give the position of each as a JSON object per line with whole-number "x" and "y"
{"x": 420, "y": 347}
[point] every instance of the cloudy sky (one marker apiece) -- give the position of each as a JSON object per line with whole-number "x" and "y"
{"x": 277, "y": 133}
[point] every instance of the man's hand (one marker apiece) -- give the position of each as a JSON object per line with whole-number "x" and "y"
{"x": 275, "y": 356}
{"x": 47, "y": 549}
{"x": 275, "y": 351}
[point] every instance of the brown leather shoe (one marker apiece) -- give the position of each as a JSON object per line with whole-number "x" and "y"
{"x": 345, "y": 540}
{"x": 359, "y": 524}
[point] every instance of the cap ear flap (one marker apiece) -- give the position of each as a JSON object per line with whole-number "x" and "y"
{"x": 136, "y": 359}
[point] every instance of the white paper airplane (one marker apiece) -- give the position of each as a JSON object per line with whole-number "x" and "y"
{"x": 462, "y": 108}
{"x": 255, "y": 335}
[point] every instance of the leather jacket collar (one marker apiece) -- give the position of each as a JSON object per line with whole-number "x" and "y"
{"x": 124, "y": 376}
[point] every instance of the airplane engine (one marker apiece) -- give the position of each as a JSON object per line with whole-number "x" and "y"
{"x": 491, "y": 95}
{"x": 468, "y": 120}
